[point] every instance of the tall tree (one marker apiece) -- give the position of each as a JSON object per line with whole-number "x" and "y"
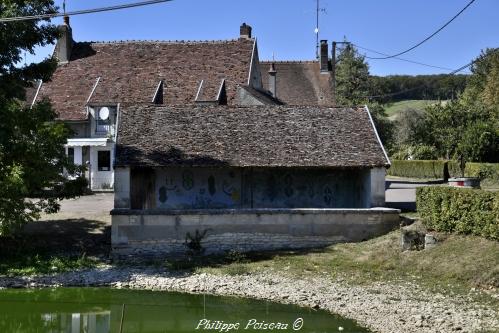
{"x": 352, "y": 77}
{"x": 483, "y": 85}
{"x": 32, "y": 158}
{"x": 353, "y": 85}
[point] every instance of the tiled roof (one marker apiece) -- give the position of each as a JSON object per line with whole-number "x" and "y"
{"x": 130, "y": 71}
{"x": 300, "y": 82}
{"x": 263, "y": 96}
{"x": 256, "y": 136}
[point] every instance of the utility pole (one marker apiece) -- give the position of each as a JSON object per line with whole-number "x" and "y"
{"x": 317, "y": 32}
{"x": 317, "y": 12}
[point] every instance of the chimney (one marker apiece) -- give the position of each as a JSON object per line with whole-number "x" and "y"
{"x": 324, "y": 56}
{"x": 245, "y": 31}
{"x": 64, "y": 42}
{"x": 273, "y": 80}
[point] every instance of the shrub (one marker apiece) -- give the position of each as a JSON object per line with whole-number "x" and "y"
{"x": 417, "y": 169}
{"x": 465, "y": 211}
{"x": 437, "y": 169}
{"x": 415, "y": 152}
{"x": 483, "y": 171}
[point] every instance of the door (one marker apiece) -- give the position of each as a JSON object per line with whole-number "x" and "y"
{"x": 142, "y": 184}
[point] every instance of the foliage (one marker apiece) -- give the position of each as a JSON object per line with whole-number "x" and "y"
{"x": 352, "y": 88}
{"x": 383, "y": 125}
{"x": 483, "y": 85}
{"x": 32, "y": 142}
{"x": 483, "y": 171}
{"x": 417, "y": 169}
{"x": 419, "y": 87}
{"x": 352, "y": 77}
{"x": 464, "y": 211}
{"x": 194, "y": 242}
{"x": 35, "y": 264}
{"x": 455, "y": 129}
{"x": 416, "y": 152}
{"x": 410, "y": 124}
{"x": 479, "y": 142}
{"x": 466, "y": 128}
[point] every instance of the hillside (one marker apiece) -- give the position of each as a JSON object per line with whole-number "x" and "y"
{"x": 393, "y": 109}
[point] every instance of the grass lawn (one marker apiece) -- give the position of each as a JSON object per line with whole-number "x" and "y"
{"x": 458, "y": 263}
{"x": 394, "y": 108}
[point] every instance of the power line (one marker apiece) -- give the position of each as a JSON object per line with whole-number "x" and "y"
{"x": 402, "y": 59}
{"x": 80, "y": 12}
{"x": 430, "y": 36}
{"x": 420, "y": 86}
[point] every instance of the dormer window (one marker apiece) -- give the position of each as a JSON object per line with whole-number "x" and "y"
{"x": 104, "y": 119}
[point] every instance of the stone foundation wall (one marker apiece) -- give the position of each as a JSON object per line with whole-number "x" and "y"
{"x": 158, "y": 233}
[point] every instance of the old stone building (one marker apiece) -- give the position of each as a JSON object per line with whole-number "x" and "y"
{"x": 201, "y": 138}
{"x": 246, "y": 178}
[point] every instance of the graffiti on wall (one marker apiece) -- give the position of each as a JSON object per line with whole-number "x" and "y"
{"x": 201, "y": 188}
{"x": 275, "y": 188}
{"x": 163, "y": 190}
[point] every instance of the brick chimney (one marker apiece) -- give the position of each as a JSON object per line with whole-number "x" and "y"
{"x": 64, "y": 42}
{"x": 273, "y": 80}
{"x": 324, "y": 56}
{"x": 245, "y": 31}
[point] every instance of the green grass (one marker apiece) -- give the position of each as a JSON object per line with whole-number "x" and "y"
{"x": 457, "y": 263}
{"x": 29, "y": 255}
{"x": 394, "y": 108}
{"x": 42, "y": 264}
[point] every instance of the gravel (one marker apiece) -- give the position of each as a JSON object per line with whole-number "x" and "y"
{"x": 383, "y": 307}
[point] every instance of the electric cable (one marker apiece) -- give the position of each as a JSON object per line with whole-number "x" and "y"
{"x": 80, "y": 12}
{"x": 429, "y": 37}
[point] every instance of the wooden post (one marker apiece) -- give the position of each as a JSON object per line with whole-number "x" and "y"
{"x": 122, "y": 317}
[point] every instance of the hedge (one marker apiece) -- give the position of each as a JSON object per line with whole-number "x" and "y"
{"x": 436, "y": 169}
{"x": 488, "y": 171}
{"x": 465, "y": 211}
{"x": 417, "y": 169}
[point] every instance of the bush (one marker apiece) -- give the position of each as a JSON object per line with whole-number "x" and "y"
{"x": 436, "y": 169}
{"x": 417, "y": 169}
{"x": 458, "y": 210}
{"x": 484, "y": 171}
{"x": 416, "y": 152}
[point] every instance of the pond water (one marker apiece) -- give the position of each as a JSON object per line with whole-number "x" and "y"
{"x": 102, "y": 310}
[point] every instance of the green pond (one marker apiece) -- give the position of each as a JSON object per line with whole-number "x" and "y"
{"x": 98, "y": 310}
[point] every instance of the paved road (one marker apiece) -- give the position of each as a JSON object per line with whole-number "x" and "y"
{"x": 401, "y": 193}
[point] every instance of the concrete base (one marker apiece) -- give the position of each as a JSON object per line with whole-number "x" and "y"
{"x": 158, "y": 233}
{"x": 467, "y": 182}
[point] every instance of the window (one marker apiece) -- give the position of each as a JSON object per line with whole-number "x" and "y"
{"x": 104, "y": 160}
{"x": 103, "y": 119}
{"x": 71, "y": 154}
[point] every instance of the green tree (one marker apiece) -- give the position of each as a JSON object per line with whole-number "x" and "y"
{"x": 483, "y": 85}
{"x": 384, "y": 126}
{"x": 32, "y": 141}
{"x": 352, "y": 77}
{"x": 353, "y": 85}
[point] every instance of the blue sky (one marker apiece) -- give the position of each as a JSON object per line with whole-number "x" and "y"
{"x": 286, "y": 27}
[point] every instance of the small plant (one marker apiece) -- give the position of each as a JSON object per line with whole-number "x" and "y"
{"x": 106, "y": 186}
{"x": 193, "y": 242}
{"x": 236, "y": 256}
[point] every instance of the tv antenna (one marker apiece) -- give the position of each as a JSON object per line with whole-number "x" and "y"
{"x": 64, "y": 7}
{"x": 318, "y": 11}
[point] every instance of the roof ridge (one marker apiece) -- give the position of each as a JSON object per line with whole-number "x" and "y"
{"x": 289, "y": 61}
{"x": 143, "y": 41}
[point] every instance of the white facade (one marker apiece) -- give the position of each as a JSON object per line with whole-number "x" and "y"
{"x": 94, "y": 144}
